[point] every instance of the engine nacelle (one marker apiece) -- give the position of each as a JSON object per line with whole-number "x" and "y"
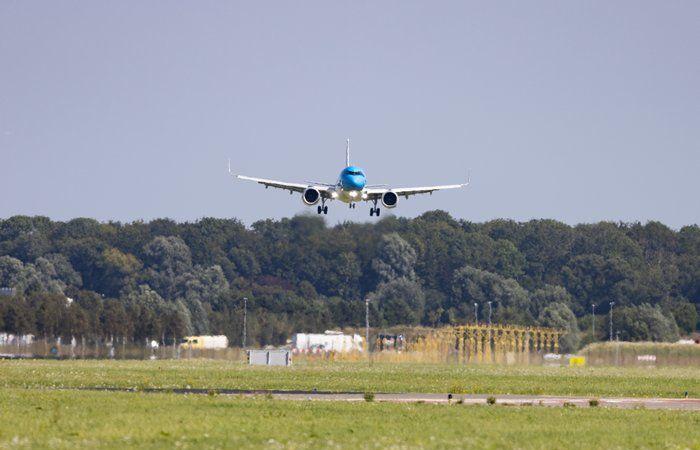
{"x": 390, "y": 199}
{"x": 311, "y": 196}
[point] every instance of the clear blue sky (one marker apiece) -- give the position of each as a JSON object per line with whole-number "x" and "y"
{"x": 576, "y": 111}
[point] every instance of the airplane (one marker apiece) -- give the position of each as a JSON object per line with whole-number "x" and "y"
{"x": 350, "y": 188}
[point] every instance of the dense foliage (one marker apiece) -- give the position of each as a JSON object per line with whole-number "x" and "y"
{"x": 164, "y": 279}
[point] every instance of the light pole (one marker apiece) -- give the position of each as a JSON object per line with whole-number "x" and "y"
{"x": 611, "y": 328}
{"x": 476, "y": 312}
{"x": 367, "y": 324}
{"x": 245, "y": 320}
{"x": 489, "y": 313}
{"x": 593, "y": 325}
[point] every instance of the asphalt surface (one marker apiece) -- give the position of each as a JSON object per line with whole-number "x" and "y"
{"x": 692, "y": 404}
{"x": 689, "y": 404}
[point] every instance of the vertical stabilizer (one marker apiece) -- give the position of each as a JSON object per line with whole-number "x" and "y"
{"x": 347, "y": 153}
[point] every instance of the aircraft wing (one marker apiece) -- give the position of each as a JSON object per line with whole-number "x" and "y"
{"x": 291, "y": 187}
{"x": 373, "y": 194}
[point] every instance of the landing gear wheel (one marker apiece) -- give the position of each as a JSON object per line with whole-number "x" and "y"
{"x": 325, "y": 210}
{"x": 375, "y": 209}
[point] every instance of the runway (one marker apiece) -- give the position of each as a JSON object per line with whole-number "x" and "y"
{"x": 512, "y": 400}
{"x": 687, "y": 404}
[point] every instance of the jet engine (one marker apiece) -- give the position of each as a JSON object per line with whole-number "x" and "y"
{"x": 311, "y": 196}
{"x": 390, "y": 199}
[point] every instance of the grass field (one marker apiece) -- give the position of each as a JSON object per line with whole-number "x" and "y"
{"x": 357, "y": 377}
{"x": 35, "y": 413}
{"x": 40, "y": 418}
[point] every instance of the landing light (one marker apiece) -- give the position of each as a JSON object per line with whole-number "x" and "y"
{"x": 334, "y": 194}
{"x": 353, "y": 194}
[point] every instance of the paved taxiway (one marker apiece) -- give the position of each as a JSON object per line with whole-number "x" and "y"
{"x": 515, "y": 400}
{"x": 689, "y": 404}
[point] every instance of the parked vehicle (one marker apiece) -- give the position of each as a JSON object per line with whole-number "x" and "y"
{"x": 204, "y": 342}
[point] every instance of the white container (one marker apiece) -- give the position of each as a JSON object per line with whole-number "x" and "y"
{"x": 330, "y": 341}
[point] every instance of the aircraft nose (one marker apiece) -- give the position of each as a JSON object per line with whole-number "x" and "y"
{"x": 354, "y": 182}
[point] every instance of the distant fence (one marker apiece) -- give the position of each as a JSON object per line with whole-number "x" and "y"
{"x": 116, "y": 350}
{"x": 488, "y": 343}
{"x": 642, "y": 354}
{"x": 477, "y": 343}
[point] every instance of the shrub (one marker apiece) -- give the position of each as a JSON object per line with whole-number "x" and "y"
{"x": 369, "y": 396}
{"x": 491, "y": 400}
{"x": 458, "y": 388}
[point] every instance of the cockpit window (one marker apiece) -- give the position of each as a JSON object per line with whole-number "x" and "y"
{"x": 352, "y": 172}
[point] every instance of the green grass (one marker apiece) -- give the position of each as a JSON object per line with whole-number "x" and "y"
{"x": 81, "y": 419}
{"x": 356, "y": 377}
{"x": 33, "y": 414}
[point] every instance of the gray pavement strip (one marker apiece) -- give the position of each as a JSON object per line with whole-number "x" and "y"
{"x": 508, "y": 400}
{"x": 689, "y": 404}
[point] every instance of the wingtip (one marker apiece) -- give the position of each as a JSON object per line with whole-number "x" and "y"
{"x": 231, "y": 173}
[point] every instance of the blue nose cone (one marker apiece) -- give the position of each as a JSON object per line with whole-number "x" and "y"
{"x": 353, "y": 178}
{"x": 354, "y": 182}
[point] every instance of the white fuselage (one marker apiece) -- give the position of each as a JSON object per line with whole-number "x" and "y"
{"x": 348, "y": 195}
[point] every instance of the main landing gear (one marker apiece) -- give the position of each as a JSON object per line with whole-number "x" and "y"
{"x": 375, "y": 210}
{"x": 322, "y": 208}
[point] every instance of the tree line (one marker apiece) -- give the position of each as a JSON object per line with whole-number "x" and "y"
{"x": 163, "y": 280}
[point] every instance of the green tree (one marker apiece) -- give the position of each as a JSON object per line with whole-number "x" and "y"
{"x": 645, "y": 323}
{"x": 395, "y": 259}
{"x": 244, "y": 262}
{"x": 684, "y": 313}
{"x": 51, "y": 312}
{"x": 541, "y": 298}
{"x": 400, "y": 302}
{"x": 78, "y": 323}
{"x": 18, "y": 316}
{"x": 510, "y": 301}
{"x": 92, "y": 304}
{"x": 63, "y": 270}
{"x": 117, "y": 271}
{"x": 593, "y": 279}
{"x": 167, "y": 258}
{"x": 559, "y": 315}
{"x": 146, "y": 309}
{"x": 115, "y": 320}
